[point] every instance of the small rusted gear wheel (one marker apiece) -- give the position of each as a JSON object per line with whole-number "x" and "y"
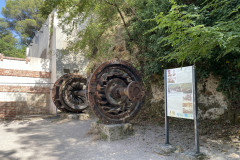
{"x": 69, "y": 93}
{"x": 115, "y": 92}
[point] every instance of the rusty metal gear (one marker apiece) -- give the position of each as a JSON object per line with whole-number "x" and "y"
{"x": 69, "y": 93}
{"x": 115, "y": 92}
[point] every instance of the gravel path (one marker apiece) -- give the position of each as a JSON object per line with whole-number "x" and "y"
{"x": 57, "y": 139}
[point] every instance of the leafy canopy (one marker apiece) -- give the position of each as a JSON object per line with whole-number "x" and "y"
{"x": 204, "y": 33}
{"x": 8, "y": 43}
{"x": 23, "y": 17}
{"x": 168, "y": 33}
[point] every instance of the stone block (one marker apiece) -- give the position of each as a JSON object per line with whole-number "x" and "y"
{"x": 165, "y": 149}
{"x": 191, "y": 156}
{"x": 84, "y": 116}
{"x": 81, "y": 116}
{"x": 73, "y": 116}
{"x": 114, "y": 131}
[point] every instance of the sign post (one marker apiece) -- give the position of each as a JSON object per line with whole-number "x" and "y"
{"x": 195, "y": 112}
{"x": 166, "y": 117}
{"x": 181, "y": 98}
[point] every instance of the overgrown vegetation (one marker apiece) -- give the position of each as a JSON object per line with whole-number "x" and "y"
{"x": 205, "y": 34}
{"x": 98, "y": 16}
{"x": 167, "y": 33}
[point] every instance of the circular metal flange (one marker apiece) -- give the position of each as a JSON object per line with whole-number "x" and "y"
{"x": 112, "y": 91}
{"x": 105, "y": 92}
{"x": 55, "y": 92}
{"x": 134, "y": 91}
{"x": 68, "y": 93}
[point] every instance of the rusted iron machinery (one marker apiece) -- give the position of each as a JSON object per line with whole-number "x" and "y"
{"x": 69, "y": 93}
{"x": 115, "y": 92}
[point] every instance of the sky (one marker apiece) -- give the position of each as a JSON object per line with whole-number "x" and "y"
{"x": 2, "y": 4}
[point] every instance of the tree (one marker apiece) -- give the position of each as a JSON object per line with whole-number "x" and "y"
{"x": 5, "y": 34}
{"x": 23, "y": 17}
{"x": 8, "y": 43}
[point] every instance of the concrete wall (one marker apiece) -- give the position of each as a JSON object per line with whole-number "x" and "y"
{"x": 68, "y": 63}
{"x": 65, "y": 60}
{"x": 49, "y": 43}
{"x": 24, "y": 86}
{"x": 39, "y": 46}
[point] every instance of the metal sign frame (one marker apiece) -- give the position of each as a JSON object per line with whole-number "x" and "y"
{"x": 195, "y": 110}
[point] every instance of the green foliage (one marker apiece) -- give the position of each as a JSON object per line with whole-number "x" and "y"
{"x": 8, "y": 44}
{"x": 5, "y": 34}
{"x": 143, "y": 21}
{"x": 11, "y": 50}
{"x": 206, "y": 35}
{"x": 168, "y": 33}
{"x": 192, "y": 40}
{"x": 23, "y": 17}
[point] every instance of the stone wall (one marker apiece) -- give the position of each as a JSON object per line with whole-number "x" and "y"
{"x": 212, "y": 104}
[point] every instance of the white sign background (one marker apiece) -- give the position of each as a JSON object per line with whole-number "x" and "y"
{"x": 180, "y": 92}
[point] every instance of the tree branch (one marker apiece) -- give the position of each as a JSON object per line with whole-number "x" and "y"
{"x": 123, "y": 20}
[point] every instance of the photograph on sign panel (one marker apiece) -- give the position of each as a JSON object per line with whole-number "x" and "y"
{"x": 187, "y": 103}
{"x": 188, "y": 107}
{"x": 182, "y": 87}
{"x": 186, "y": 87}
{"x": 187, "y": 97}
{"x": 173, "y": 88}
{"x": 171, "y": 76}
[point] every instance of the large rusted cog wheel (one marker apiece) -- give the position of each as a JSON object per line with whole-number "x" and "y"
{"x": 115, "y": 92}
{"x": 68, "y": 93}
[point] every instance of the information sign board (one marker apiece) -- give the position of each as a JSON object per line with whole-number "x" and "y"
{"x": 181, "y": 98}
{"x": 180, "y": 92}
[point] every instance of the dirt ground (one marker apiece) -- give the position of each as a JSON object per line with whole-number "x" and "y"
{"x": 54, "y": 138}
